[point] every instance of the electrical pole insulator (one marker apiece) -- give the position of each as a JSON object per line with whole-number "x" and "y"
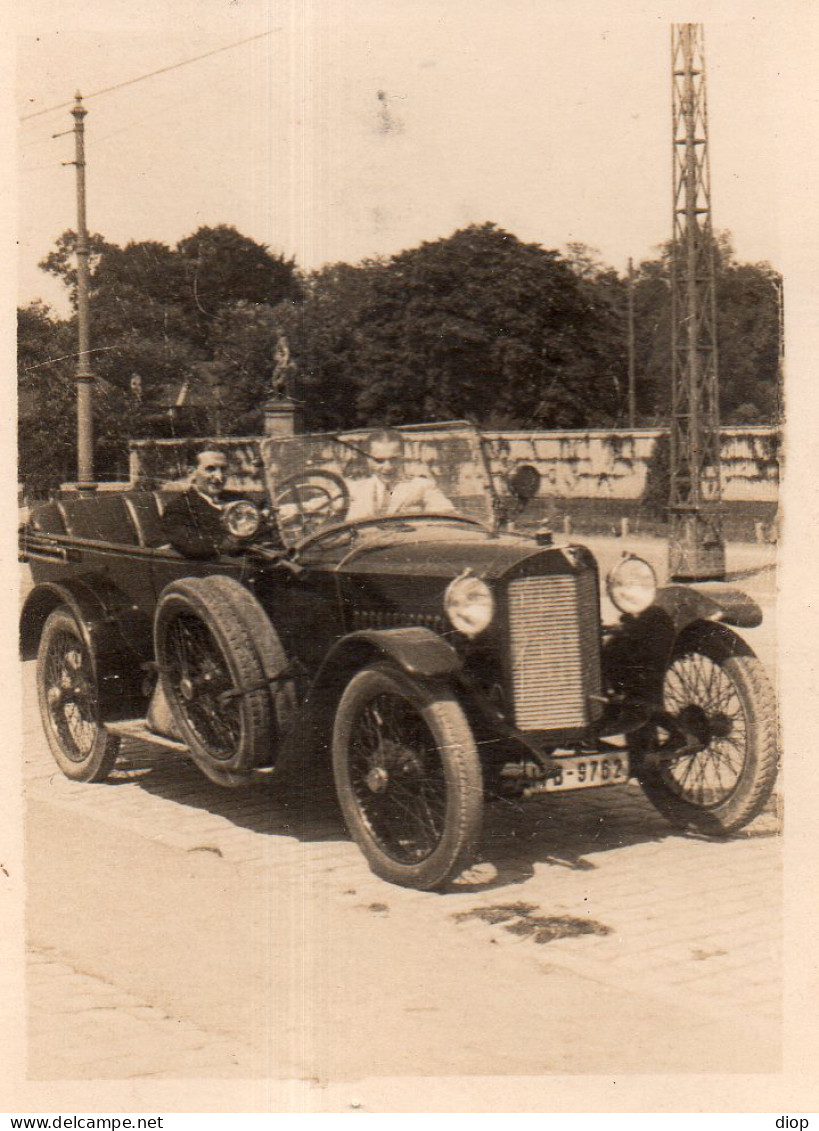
{"x": 83, "y": 373}
{"x": 696, "y": 548}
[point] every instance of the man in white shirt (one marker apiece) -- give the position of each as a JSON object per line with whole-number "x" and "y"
{"x": 388, "y": 490}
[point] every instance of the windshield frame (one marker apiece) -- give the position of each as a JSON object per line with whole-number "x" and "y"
{"x": 464, "y": 476}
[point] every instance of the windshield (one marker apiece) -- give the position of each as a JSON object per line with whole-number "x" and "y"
{"x": 323, "y": 480}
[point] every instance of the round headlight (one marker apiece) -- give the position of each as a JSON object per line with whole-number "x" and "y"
{"x": 241, "y": 519}
{"x": 469, "y": 605}
{"x": 632, "y": 585}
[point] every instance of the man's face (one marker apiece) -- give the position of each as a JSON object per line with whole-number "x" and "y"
{"x": 388, "y": 460}
{"x": 209, "y": 474}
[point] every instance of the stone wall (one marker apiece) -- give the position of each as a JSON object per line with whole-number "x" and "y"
{"x": 597, "y": 465}
{"x": 614, "y": 465}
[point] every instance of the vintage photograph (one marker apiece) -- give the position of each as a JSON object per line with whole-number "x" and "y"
{"x": 400, "y": 418}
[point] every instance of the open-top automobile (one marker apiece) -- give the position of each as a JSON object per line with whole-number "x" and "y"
{"x": 441, "y": 658}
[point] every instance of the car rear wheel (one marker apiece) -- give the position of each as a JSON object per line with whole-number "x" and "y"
{"x": 725, "y": 701}
{"x": 214, "y": 678}
{"x": 69, "y": 702}
{"x": 408, "y": 777}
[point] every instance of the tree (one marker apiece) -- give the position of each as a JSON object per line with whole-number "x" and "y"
{"x": 46, "y": 361}
{"x": 478, "y": 325}
{"x": 62, "y": 261}
{"x": 221, "y": 267}
{"x": 158, "y": 314}
{"x": 326, "y": 332}
{"x": 747, "y": 336}
{"x": 607, "y": 297}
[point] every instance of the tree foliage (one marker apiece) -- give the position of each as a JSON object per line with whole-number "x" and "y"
{"x": 162, "y": 318}
{"x": 478, "y": 325}
{"x": 747, "y": 300}
{"x": 47, "y": 412}
{"x": 157, "y": 311}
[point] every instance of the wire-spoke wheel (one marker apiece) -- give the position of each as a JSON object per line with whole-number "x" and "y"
{"x": 214, "y": 679}
{"x": 408, "y": 777}
{"x": 69, "y": 702}
{"x": 724, "y": 706}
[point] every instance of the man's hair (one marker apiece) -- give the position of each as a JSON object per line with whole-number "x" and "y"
{"x": 385, "y": 436}
{"x": 200, "y": 449}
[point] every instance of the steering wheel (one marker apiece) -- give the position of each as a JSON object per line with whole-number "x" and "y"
{"x": 315, "y": 497}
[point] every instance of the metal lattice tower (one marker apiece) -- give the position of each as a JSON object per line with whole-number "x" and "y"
{"x": 696, "y": 548}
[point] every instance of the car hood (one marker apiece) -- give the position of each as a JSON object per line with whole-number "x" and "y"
{"x": 444, "y": 553}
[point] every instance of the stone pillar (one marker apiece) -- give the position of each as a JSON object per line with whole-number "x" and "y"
{"x": 282, "y": 417}
{"x": 134, "y": 465}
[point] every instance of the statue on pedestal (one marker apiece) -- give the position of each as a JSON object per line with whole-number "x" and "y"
{"x": 284, "y": 369}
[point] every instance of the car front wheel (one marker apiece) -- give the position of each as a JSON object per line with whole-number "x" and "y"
{"x": 723, "y": 700}
{"x": 408, "y": 777}
{"x": 69, "y": 702}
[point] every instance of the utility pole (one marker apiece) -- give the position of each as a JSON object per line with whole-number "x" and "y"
{"x": 83, "y": 374}
{"x": 779, "y": 287}
{"x": 696, "y": 549}
{"x": 632, "y": 411}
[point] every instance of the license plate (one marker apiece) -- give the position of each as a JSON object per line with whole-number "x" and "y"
{"x": 585, "y": 771}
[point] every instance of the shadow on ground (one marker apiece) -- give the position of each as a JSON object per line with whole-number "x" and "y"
{"x": 303, "y": 807}
{"x": 564, "y": 832}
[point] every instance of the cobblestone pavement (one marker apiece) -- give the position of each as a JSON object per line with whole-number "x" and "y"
{"x": 596, "y": 884}
{"x": 83, "y": 1027}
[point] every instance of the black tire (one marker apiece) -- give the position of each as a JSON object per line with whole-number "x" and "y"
{"x": 206, "y": 655}
{"x": 725, "y": 696}
{"x": 271, "y": 655}
{"x": 68, "y": 696}
{"x": 408, "y": 777}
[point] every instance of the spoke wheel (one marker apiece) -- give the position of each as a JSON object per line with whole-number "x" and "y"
{"x": 69, "y": 702}
{"x": 408, "y": 777}
{"x": 199, "y": 675}
{"x": 725, "y": 773}
{"x": 214, "y": 678}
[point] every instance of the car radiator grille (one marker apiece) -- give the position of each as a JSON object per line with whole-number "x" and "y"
{"x": 554, "y": 634}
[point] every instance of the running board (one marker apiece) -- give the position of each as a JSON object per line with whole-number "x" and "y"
{"x": 139, "y": 730}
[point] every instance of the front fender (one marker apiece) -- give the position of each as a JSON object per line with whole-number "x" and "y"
{"x": 638, "y": 653}
{"x": 115, "y": 663}
{"x": 415, "y": 650}
{"x": 688, "y": 603}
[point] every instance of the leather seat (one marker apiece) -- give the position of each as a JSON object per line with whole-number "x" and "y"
{"x": 105, "y": 518}
{"x": 47, "y": 518}
{"x": 145, "y": 509}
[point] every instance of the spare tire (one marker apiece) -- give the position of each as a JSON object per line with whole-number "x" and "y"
{"x": 214, "y": 679}
{"x": 272, "y": 656}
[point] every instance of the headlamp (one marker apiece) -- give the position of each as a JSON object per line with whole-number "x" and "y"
{"x": 242, "y": 519}
{"x": 632, "y": 585}
{"x": 469, "y": 604}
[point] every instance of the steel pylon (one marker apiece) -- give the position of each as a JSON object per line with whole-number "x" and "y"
{"x": 696, "y": 549}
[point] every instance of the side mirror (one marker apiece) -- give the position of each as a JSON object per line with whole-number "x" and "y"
{"x": 524, "y": 482}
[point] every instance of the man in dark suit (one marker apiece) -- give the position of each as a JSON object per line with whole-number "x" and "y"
{"x": 192, "y": 521}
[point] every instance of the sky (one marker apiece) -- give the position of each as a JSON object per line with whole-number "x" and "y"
{"x": 354, "y": 129}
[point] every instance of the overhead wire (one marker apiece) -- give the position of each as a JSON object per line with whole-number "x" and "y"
{"x": 167, "y": 108}
{"x": 151, "y": 74}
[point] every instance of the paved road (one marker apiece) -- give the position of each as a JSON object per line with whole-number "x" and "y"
{"x": 176, "y": 930}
